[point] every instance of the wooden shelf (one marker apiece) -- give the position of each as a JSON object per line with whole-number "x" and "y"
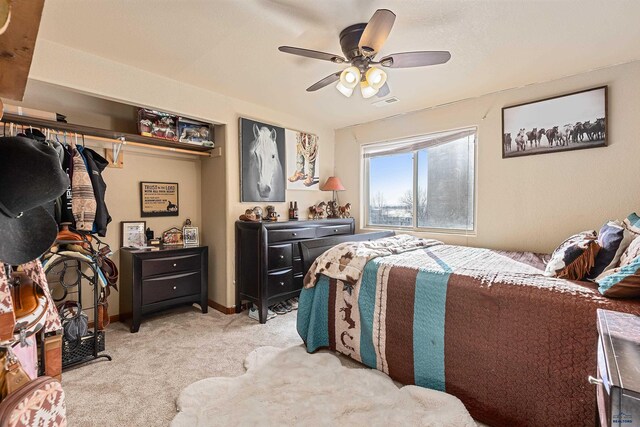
{"x": 102, "y": 133}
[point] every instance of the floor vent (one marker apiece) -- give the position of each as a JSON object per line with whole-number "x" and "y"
{"x": 387, "y": 101}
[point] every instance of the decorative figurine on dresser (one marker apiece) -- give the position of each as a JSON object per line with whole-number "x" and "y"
{"x": 268, "y": 264}
{"x": 155, "y": 279}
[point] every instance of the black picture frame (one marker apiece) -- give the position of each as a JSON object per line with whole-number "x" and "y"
{"x": 251, "y": 187}
{"x": 172, "y": 209}
{"x": 558, "y": 130}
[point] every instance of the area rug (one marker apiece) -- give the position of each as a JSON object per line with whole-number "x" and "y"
{"x": 291, "y": 387}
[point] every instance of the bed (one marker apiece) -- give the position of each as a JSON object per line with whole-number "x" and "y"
{"x": 486, "y": 326}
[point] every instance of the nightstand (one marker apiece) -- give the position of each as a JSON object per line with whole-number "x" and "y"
{"x": 618, "y": 376}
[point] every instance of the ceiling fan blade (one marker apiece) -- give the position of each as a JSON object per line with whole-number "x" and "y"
{"x": 376, "y": 31}
{"x": 324, "y": 82}
{"x": 312, "y": 54}
{"x": 415, "y": 59}
{"x": 384, "y": 91}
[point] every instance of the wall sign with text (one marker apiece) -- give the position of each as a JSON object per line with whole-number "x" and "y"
{"x": 158, "y": 199}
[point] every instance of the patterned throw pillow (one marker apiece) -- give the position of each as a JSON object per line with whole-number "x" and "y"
{"x": 613, "y": 240}
{"x": 575, "y": 257}
{"x": 623, "y": 281}
{"x": 632, "y": 223}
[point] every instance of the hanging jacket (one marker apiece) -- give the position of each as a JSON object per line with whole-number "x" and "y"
{"x": 83, "y": 202}
{"x": 95, "y": 165}
{"x": 66, "y": 206}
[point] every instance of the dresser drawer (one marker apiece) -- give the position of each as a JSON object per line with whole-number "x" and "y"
{"x": 332, "y": 230}
{"x": 279, "y": 256}
{"x": 297, "y": 266}
{"x": 169, "y": 287}
{"x": 280, "y": 282}
{"x": 173, "y": 264}
{"x": 291, "y": 234}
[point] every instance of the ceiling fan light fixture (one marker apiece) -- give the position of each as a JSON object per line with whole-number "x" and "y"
{"x": 346, "y": 91}
{"x": 350, "y": 77}
{"x": 376, "y": 77}
{"x": 367, "y": 90}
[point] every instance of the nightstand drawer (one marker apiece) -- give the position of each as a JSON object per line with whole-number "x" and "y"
{"x": 279, "y": 256}
{"x": 174, "y": 264}
{"x": 169, "y": 287}
{"x": 280, "y": 282}
{"x": 334, "y": 230}
{"x": 291, "y": 234}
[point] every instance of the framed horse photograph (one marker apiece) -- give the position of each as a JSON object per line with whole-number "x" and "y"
{"x": 562, "y": 123}
{"x": 262, "y": 162}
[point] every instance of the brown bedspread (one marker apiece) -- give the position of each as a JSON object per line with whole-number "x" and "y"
{"x": 518, "y": 346}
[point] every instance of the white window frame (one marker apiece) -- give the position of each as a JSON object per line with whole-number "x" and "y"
{"x": 365, "y": 199}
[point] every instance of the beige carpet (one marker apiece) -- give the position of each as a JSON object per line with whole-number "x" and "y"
{"x": 171, "y": 350}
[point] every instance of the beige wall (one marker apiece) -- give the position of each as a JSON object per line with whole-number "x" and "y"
{"x": 528, "y": 203}
{"x": 218, "y": 191}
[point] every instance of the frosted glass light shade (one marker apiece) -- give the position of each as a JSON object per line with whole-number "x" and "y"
{"x": 350, "y": 77}
{"x": 344, "y": 90}
{"x": 376, "y": 77}
{"x": 367, "y": 90}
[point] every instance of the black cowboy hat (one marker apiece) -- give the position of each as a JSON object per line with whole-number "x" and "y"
{"x": 30, "y": 176}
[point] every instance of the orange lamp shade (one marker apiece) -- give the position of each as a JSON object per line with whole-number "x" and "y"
{"x": 333, "y": 184}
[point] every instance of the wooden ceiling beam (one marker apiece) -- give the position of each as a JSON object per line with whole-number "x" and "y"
{"x": 16, "y": 47}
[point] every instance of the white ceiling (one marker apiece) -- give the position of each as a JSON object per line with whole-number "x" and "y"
{"x": 230, "y": 46}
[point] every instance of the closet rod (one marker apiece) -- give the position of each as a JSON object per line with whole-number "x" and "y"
{"x": 136, "y": 144}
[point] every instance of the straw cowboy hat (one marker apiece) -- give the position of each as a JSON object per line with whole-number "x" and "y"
{"x": 30, "y": 177}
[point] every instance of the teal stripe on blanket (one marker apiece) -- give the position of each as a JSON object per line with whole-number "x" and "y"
{"x": 428, "y": 328}
{"x": 367, "y": 305}
{"x": 313, "y": 312}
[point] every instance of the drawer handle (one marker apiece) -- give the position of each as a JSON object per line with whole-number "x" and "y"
{"x": 294, "y": 234}
{"x": 595, "y": 381}
{"x": 281, "y": 283}
{"x": 175, "y": 265}
{"x": 281, "y": 256}
{"x": 175, "y": 287}
{"x": 335, "y": 230}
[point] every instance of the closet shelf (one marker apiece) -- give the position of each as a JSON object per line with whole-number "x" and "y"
{"x": 111, "y": 135}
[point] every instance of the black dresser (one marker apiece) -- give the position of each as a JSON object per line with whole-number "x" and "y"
{"x": 154, "y": 279}
{"x": 618, "y": 377}
{"x": 268, "y": 264}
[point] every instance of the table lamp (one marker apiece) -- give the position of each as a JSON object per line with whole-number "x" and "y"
{"x": 333, "y": 184}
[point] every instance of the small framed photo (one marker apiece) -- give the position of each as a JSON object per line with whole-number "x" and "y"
{"x": 133, "y": 234}
{"x": 172, "y": 237}
{"x": 158, "y": 199}
{"x": 190, "y": 235}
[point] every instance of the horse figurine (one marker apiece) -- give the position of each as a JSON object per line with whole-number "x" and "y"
{"x": 345, "y": 211}
{"x": 264, "y": 178}
{"x": 317, "y": 211}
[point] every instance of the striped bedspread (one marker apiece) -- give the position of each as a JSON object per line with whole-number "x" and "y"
{"x": 486, "y": 326}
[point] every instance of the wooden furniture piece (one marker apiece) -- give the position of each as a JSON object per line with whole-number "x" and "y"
{"x": 152, "y": 280}
{"x": 618, "y": 377}
{"x": 268, "y": 264}
{"x": 312, "y": 249}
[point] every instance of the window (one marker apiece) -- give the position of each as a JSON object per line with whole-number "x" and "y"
{"x": 425, "y": 182}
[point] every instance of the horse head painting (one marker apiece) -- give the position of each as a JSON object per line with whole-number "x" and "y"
{"x": 262, "y": 174}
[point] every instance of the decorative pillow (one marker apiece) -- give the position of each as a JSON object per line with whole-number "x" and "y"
{"x": 613, "y": 240}
{"x": 575, "y": 257}
{"x": 623, "y": 281}
{"x": 632, "y": 223}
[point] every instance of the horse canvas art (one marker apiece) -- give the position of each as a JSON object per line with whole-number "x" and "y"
{"x": 262, "y": 160}
{"x": 562, "y": 123}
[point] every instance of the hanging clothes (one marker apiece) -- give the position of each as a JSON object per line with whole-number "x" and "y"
{"x": 65, "y": 201}
{"x": 95, "y": 165}
{"x": 83, "y": 202}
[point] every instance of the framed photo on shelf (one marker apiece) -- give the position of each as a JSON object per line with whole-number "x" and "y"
{"x": 133, "y": 234}
{"x": 190, "y": 236}
{"x": 158, "y": 199}
{"x": 172, "y": 237}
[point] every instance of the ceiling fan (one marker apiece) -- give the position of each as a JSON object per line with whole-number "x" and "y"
{"x": 360, "y": 44}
